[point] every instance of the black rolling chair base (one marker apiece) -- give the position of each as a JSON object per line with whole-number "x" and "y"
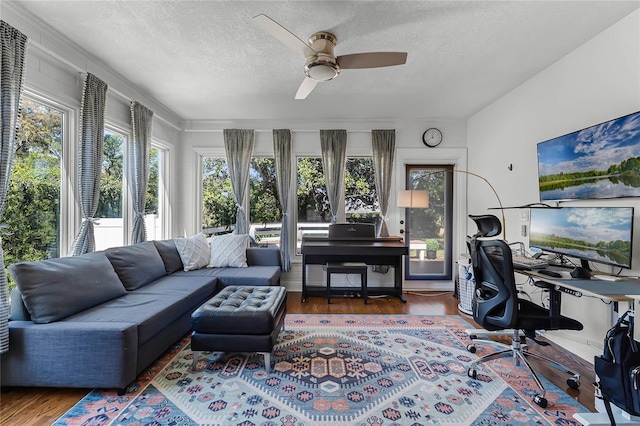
{"x": 520, "y": 354}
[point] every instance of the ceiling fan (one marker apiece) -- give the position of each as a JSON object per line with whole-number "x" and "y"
{"x": 322, "y": 64}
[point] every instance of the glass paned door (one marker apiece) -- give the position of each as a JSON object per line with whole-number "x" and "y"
{"x": 429, "y": 230}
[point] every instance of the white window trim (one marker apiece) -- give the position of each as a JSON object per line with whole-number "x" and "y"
{"x": 199, "y": 154}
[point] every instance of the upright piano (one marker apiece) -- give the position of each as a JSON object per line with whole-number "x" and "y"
{"x": 348, "y": 245}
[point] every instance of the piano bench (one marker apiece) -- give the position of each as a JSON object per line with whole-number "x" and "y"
{"x": 347, "y": 268}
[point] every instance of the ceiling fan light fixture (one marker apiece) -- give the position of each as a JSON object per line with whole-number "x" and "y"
{"x": 321, "y": 70}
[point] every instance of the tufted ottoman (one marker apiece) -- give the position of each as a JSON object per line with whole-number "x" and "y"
{"x": 239, "y": 319}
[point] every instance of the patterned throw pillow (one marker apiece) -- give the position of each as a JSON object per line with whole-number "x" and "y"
{"x": 194, "y": 251}
{"x": 229, "y": 251}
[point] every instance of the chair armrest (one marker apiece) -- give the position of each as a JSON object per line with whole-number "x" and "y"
{"x": 263, "y": 256}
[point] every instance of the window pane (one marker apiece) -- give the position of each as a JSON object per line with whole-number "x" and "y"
{"x": 265, "y": 213}
{"x": 32, "y": 210}
{"x": 152, "y": 211}
{"x": 314, "y": 214}
{"x": 218, "y": 207}
{"x": 109, "y": 231}
{"x": 361, "y": 200}
{"x": 429, "y": 229}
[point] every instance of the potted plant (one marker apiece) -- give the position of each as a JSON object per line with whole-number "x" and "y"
{"x": 432, "y": 247}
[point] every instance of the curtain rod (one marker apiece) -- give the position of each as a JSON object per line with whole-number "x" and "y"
{"x": 81, "y": 70}
{"x": 270, "y": 130}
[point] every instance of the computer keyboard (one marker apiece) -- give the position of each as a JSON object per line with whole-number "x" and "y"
{"x": 524, "y": 262}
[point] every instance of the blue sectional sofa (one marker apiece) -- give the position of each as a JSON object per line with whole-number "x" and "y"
{"x": 98, "y": 320}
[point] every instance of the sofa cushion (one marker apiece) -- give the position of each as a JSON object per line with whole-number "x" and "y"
{"x": 136, "y": 265}
{"x": 170, "y": 256}
{"x": 56, "y": 288}
{"x": 253, "y": 275}
{"x": 194, "y": 251}
{"x": 154, "y": 306}
{"x": 229, "y": 251}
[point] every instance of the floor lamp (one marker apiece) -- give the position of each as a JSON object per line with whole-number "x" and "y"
{"x": 504, "y": 230}
{"x": 412, "y": 199}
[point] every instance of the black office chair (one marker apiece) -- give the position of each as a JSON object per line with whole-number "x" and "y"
{"x": 496, "y": 305}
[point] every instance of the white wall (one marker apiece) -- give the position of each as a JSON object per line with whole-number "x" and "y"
{"x": 597, "y": 82}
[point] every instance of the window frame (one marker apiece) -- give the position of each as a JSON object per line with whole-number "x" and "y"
{"x": 70, "y": 212}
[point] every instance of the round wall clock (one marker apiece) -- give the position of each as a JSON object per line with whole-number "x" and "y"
{"x": 432, "y": 137}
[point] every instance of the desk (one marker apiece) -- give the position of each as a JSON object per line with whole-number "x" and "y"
{"x": 372, "y": 251}
{"x": 616, "y": 291}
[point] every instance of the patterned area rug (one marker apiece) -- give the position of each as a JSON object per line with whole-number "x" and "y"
{"x": 364, "y": 370}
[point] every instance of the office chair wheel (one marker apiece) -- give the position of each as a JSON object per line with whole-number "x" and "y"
{"x": 541, "y": 401}
{"x": 574, "y": 382}
{"x": 471, "y": 372}
{"x": 471, "y": 348}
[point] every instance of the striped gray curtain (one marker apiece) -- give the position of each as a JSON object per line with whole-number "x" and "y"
{"x": 333, "y": 144}
{"x": 383, "y": 143}
{"x": 90, "y": 153}
{"x": 141, "y": 125}
{"x": 282, "y": 151}
{"x": 238, "y": 145}
{"x": 12, "y": 61}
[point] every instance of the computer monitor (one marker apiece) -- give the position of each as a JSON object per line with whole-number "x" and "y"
{"x": 591, "y": 234}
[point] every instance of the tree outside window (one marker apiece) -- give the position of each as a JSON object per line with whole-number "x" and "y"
{"x": 265, "y": 212}
{"x": 32, "y": 210}
{"x": 218, "y": 205}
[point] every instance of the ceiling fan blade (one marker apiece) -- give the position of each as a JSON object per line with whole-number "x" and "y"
{"x": 284, "y": 35}
{"x": 371, "y": 60}
{"x": 305, "y": 88}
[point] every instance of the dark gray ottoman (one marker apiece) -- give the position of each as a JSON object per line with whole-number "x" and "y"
{"x": 239, "y": 319}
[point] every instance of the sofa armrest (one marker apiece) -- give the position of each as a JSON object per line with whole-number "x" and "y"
{"x": 263, "y": 256}
{"x": 70, "y": 354}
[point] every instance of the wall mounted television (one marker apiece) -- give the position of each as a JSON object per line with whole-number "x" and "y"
{"x": 601, "y": 161}
{"x": 596, "y": 234}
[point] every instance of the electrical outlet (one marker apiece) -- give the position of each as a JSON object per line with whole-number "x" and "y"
{"x": 523, "y": 230}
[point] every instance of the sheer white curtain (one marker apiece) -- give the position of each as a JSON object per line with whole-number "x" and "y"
{"x": 142, "y": 127}
{"x": 333, "y": 144}
{"x": 12, "y": 61}
{"x": 90, "y": 153}
{"x": 282, "y": 151}
{"x": 238, "y": 145}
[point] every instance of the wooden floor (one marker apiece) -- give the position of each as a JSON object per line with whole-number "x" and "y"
{"x": 40, "y": 406}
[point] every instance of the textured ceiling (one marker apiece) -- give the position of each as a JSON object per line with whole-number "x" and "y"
{"x": 207, "y": 60}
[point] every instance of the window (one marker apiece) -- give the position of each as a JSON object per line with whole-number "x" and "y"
{"x": 314, "y": 214}
{"x": 154, "y": 210}
{"x": 110, "y": 230}
{"x": 265, "y": 212}
{"x": 361, "y": 200}
{"x": 32, "y": 210}
{"x": 218, "y": 206}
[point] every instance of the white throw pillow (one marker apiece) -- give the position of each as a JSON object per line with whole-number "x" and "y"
{"x": 229, "y": 250}
{"x": 194, "y": 251}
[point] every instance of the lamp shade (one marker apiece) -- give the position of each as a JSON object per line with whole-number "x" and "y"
{"x": 413, "y": 199}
